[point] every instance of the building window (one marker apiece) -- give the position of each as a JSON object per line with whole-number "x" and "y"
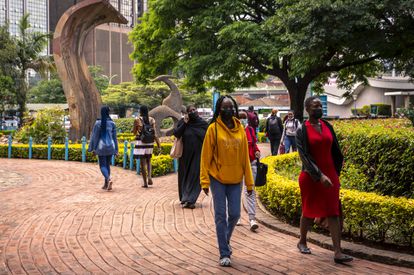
{"x": 15, "y": 13}
{"x": 2, "y": 12}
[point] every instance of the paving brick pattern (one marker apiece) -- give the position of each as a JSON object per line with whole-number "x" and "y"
{"x": 60, "y": 221}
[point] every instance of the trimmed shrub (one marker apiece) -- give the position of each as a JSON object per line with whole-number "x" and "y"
{"x": 382, "y": 150}
{"x": 383, "y": 109}
{"x": 162, "y": 164}
{"x": 7, "y": 132}
{"x": 261, "y": 137}
{"x": 124, "y": 125}
{"x": 262, "y": 124}
{"x": 367, "y": 215}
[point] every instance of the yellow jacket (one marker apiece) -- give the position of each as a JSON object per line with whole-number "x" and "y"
{"x": 225, "y": 156}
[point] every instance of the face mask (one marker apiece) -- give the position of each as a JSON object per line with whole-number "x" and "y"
{"x": 244, "y": 121}
{"x": 226, "y": 114}
{"x": 192, "y": 116}
{"x": 317, "y": 113}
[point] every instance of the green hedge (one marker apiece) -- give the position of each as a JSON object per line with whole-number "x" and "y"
{"x": 124, "y": 125}
{"x": 7, "y": 132}
{"x": 162, "y": 164}
{"x": 367, "y": 215}
{"x": 382, "y": 151}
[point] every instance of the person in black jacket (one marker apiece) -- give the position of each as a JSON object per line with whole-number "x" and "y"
{"x": 192, "y": 130}
{"x": 274, "y": 130}
{"x": 322, "y": 161}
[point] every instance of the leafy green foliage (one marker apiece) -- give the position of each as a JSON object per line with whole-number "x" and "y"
{"x": 383, "y": 151}
{"x": 101, "y": 81}
{"x": 29, "y": 47}
{"x": 124, "y": 125}
{"x": 7, "y": 92}
{"x": 128, "y": 94}
{"x": 235, "y": 43}
{"x": 161, "y": 164}
{"x": 367, "y": 215}
{"x": 47, "y": 91}
{"x": 408, "y": 113}
{"x": 47, "y": 123}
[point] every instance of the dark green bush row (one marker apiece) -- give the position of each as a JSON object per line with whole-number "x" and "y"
{"x": 6, "y": 132}
{"x": 124, "y": 125}
{"x": 380, "y": 151}
{"x": 367, "y": 215}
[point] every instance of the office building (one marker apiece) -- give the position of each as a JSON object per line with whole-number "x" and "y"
{"x": 106, "y": 46}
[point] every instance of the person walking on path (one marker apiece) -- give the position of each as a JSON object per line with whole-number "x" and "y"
{"x": 224, "y": 162}
{"x": 288, "y": 138}
{"x": 319, "y": 180}
{"x": 254, "y": 155}
{"x": 274, "y": 130}
{"x": 191, "y": 129}
{"x": 145, "y": 135}
{"x": 253, "y": 118}
{"x": 104, "y": 144}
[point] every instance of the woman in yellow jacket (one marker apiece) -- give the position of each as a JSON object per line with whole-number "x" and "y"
{"x": 224, "y": 163}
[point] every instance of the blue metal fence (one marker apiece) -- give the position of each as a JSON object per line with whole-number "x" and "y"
{"x": 124, "y": 161}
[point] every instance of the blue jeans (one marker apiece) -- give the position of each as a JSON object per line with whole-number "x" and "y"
{"x": 104, "y": 162}
{"x": 290, "y": 141}
{"x": 226, "y": 199}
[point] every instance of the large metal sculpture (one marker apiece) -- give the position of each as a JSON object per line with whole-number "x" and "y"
{"x": 171, "y": 107}
{"x": 71, "y": 31}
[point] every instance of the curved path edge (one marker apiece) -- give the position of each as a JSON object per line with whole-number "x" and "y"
{"x": 369, "y": 253}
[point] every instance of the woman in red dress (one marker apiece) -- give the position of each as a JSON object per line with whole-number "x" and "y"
{"x": 319, "y": 180}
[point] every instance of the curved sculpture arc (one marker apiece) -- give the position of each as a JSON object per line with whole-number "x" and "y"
{"x": 80, "y": 90}
{"x": 171, "y": 106}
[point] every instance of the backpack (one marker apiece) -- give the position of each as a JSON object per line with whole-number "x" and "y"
{"x": 147, "y": 132}
{"x": 273, "y": 126}
{"x": 253, "y": 119}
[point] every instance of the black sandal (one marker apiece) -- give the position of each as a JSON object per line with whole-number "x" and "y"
{"x": 343, "y": 259}
{"x": 303, "y": 249}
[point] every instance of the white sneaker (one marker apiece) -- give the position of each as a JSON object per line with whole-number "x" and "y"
{"x": 238, "y": 222}
{"x": 253, "y": 225}
{"x": 225, "y": 261}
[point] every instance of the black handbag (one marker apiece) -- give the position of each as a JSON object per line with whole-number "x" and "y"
{"x": 261, "y": 175}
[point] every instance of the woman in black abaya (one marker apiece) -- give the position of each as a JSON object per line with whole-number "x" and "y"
{"x": 192, "y": 130}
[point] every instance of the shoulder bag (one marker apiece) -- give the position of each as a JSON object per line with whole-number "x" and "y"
{"x": 177, "y": 148}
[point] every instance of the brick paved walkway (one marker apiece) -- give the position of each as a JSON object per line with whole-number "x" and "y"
{"x": 60, "y": 221}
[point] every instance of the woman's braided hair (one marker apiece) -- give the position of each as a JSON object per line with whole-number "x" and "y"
{"x": 218, "y": 107}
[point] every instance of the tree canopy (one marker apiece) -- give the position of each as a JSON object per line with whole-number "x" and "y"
{"x": 235, "y": 43}
{"x": 128, "y": 94}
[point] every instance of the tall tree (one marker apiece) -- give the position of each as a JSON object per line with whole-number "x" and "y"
{"x": 8, "y": 71}
{"x": 29, "y": 46}
{"x": 233, "y": 43}
{"x": 47, "y": 91}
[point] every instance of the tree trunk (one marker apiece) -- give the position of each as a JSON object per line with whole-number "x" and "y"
{"x": 297, "y": 95}
{"x": 22, "y": 96}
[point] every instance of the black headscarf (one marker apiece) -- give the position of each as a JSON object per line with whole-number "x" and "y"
{"x": 143, "y": 110}
{"x": 104, "y": 117}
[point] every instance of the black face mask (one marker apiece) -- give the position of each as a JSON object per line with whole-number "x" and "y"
{"x": 192, "y": 116}
{"x": 317, "y": 113}
{"x": 227, "y": 114}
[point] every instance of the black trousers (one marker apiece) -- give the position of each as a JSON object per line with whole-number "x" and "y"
{"x": 274, "y": 144}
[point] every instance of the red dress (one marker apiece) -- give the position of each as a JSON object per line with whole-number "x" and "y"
{"x": 318, "y": 200}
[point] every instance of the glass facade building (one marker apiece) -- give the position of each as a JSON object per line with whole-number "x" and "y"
{"x": 106, "y": 46}
{"x": 12, "y": 10}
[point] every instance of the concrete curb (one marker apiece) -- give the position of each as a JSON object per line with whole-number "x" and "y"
{"x": 357, "y": 250}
